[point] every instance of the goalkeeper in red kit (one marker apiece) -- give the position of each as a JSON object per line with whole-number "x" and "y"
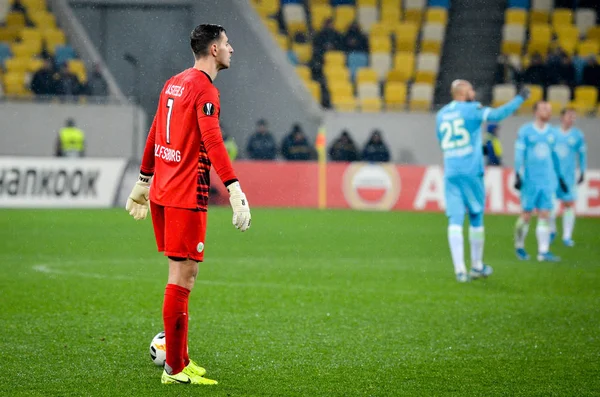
{"x": 184, "y": 141}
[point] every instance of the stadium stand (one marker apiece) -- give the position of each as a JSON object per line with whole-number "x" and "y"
{"x": 397, "y": 67}
{"x": 567, "y": 40}
{"x": 28, "y": 35}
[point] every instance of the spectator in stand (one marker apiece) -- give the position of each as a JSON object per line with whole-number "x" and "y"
{"x": 42, "y": 82}
{"x": 553, "y": 65}
{"x": 492, "y": 147}
{"x": 67, "y": 83}
{"x": 591, "y": 72}
{"x": 355, "y": 40}
{"x": 325, "y": 40}
{"x": 17, "y": 6}
{"x": 536, "y": 72}
{"x": 295, "y": 146}
{"x": 343, "y": 148}
{"x": 376, "y": 150}
{"x": 96, "y": 85}
{"x": 261, "y": 145}
{"x": 566, "y": 72}
{"x": 506, "y": 72}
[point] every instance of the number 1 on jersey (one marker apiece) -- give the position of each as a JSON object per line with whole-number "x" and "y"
{"x": 170, "y": 106}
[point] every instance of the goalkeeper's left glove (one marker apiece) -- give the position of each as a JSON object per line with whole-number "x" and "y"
{"x": 137, "y": 203}
{"x": 581, "y": 178}
{"x": 239, "y": 204}
{"x": 563, "y": 185}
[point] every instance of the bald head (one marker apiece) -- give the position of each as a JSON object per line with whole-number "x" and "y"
{"x": 462, "y": 90}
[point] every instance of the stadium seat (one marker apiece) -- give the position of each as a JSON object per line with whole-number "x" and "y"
{"x": 26, "y": 50}
{"x": 314, "y": 88}
{"x": 357, "y": 60}
{"x": 4, "y": 10}
{"x": 344, "y": 16}
{"x": 336, "y": 73}
{"x": 77, "y": 67}
{"x": 391, "y": 16}
{"x": 272, "y": 25}
{"x": 9, "y": 34}
{"x": 303, "y": 51}
{"x": 593, "y": 33}
{"x": 381, "y": 62}
{"x": 43, "y": 19}
{"x": 379, "y": 43}
{"x": 436, "y": 15}
{"x": 31, "y": 35}
{"x": 294, "y": 18}
{"x": 16, "y": 65}
{"x": 538, "y": 17}
{"x": 587, "y": 48}
{"x": 282, "y": 40}
{"x": 368, "y": 90}
{"x": 304, "y": 72}
{"x": 586, "y": 98}
{"x": 367, "y": 3}
{"x": 340, "y": 88}
{"x": 367, "y": 16}
{"x": 344, "y": 103}
{"x": 562, "y": 17}
{"x": 14, "y": 84}
{"x": 34, "y": 65}
{"x": 404, "y": 66}
{"x": 406, "y": 36}
{"x": 413, "y": 10}
{"x": 4, "y": 52}
{"x": 536, "y": 94}
{"x": 539, "y": 39}
{"x": 370, "y": 105}
{"x": 53, "y": 38}
{"x": 337, "y": 58}
{"x": 15, "y": 19}
{"x": 428, "y": 62}
{"x": 394, "y": 95}
{"x": 513, "y": 37}
{"x": 585, "y": 18}
{"x": 319, "y": 14}
{"x": 421, "y": 96}
{"x": 515, "y": 16}
{"x": 366, "y": 75}
{"x": 312, "y": 3}
{"x": 559, "y": 94}
{"x": 503, "y": 93}
{"x": 432, "y": 37}
{"x": 34, "y": 5}
{"x": 568, "y": 37}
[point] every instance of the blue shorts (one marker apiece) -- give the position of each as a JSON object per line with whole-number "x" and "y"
{"x": 537, "y": 198}
{"x": 464, "y": 193}
{"x": 570, "y": 196}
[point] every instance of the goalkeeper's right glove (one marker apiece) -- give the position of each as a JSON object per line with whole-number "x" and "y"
{"x": 137, "y": 203}
{"x": 239, "y": 205}
{"x": 524, "y": 92}
{"x": 518, "y": 182}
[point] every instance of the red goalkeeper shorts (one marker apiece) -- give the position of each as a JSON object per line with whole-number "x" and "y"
{"x": 179, "y": 232}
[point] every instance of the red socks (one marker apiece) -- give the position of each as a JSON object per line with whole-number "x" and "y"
{"x": 175, "y": 318}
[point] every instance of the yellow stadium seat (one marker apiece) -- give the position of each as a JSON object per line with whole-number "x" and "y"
{"x": 34, "y": 5}
{"x": 413, "y": 15}
{"x": 283, "y": 41}
{"x": 26, "y": 50}
{"x": 15, "y": 19}
{"x": 593, "y": 33}
{"x": 540, "y": 32}
{"x": 9, "y": 33}
{"x": 34, "y": 65}
{"x": 404, "y": 60}
{"x": 567, "y": 32}
{"x": 395, "y": 96}
{"x": 512, "y": 48}
{"x": 16, "y": 65}
{"x": 14, "y": 84}
{"x": 366, "y": 75}
{"x": 588, "y": 47}
{"x": 436, "y": 15}
{"x": 315, "y": 89}
{"x": 54, "y": 37}
{"x": 303, "y": 51}
{"x": 540, "y": 47}
{"x": 425, "y": 76}
{"x": 382, "y": 29}
{"x": 313, "y": 3}
{"x": 272, "y": 26}
{"x": 562, "y": 17}
{"x": 294, "y": 27}
{"x": 430, "y": 46}
{"x": 406, "y": 36}
{"x": 515, "y": 16}
{"x": 370, "y": 105}
{"x": 536, "y": 94}
{"x": 567, "y": 45}
{"x": 538, "y": 16}
{"x": 77, "y": 67}
{"x": 380, "y": 44}
{"x": 391, "y": 16}
{"x": 30, "y": 34}
{"x": 43, "y": 19}
{"x": 586, "y": 95}
{"x": 344, "y": 16}
{"x": 391, "y": 3}
{"x": 366, "y": 3}
{"x": 337, "y": 58}
{"x": 267, "y": 8}
{"x": 304, "y": 72}
{"x": 582, "y": 108}
{"x": 344, "y": 103}
{"x": 319, "y": 14}
{"x": 340, "y": 88}
{"x": 336, "y": 73}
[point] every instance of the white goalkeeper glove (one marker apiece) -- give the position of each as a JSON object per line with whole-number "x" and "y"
{"x": 239, "y": 205}
{"x": 137, "y": 203}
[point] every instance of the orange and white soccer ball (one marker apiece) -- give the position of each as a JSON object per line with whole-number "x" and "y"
{"x": 158, "y": 349}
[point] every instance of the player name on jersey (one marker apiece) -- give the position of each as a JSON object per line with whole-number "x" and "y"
{"x": 167, "y": 154}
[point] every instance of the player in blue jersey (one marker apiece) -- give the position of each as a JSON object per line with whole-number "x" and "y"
{"x": 536, "y": 171}
{"x": 570, "y": 147}
{"x": 459, "y": 135}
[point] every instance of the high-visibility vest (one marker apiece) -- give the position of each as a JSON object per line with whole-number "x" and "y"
{"x": 72, "y": 141}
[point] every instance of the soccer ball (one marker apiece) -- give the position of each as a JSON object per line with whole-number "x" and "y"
{"x": 158, "y": 349}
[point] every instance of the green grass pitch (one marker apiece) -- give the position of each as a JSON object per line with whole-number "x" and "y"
{"x": 307, "y": 303}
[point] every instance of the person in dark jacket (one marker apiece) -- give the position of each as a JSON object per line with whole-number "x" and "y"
{"x": 42, "y": 82}
{"x": 536, "y": 73}
{"x": 591, "y": 73}
{"x": 492, "y": 148}
{"x": 355, "y": 39}
{"x": 295, "y": 146}
{"x": 343, "y": 148}
{"x": 376, "y": 150}
{"x": 261, "y": 145}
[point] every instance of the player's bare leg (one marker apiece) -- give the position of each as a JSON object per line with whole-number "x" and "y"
{"x": 521, "y": 230}
{"x": 178, "y": 367}
{"x": 542, "y": 232}
{"x": 568, "y": 223}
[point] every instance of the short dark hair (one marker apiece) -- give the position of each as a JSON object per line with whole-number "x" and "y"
{"x": 203, "y": 36}
{"x": 566, "y": 110}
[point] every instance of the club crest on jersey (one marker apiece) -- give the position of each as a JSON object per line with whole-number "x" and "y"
{"x": 208, "y": 109}
{"x": 200, "y": 247}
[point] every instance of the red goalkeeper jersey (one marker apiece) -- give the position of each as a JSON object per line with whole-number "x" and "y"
{"x": 183, "y": 142}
